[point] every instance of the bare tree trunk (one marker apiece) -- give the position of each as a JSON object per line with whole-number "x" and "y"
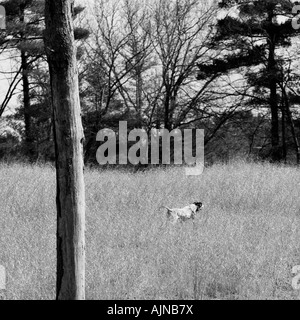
{"x": 296, "y": 142}
{"x": 273, "y": 95}
{"x": 274, "y": 122}
{"x": 293, "y": 130}
{"x": 68, "y": 135}
{"x": 167, "y": 124}
{"x": 26, "y": 101}
{"x": 274, "y": 119}
{"x": 283, "y": 129}
{"x": 26, "y": 98}
{"x": 139, "y": 100}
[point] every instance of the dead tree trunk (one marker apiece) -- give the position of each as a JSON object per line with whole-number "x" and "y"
{"x": 291, "y": 121}
{"x": 26, "y": 100}
{"x": 283, "y": 130}
{"x": 68, "y": 136}
{"x": 274, "y": 120}
{"x": 26, "y": 97}
{"x": 272, "y": 68}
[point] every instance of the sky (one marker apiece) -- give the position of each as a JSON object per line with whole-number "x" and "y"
{"x": 8, "y": 63}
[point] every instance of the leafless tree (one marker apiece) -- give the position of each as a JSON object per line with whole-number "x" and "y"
{"x": 120, "y": 46}
{"x": 180, "y": 34}
{"x": 150, "y": 53}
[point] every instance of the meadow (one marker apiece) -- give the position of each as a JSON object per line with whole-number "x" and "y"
{"x": 242, "y": 245}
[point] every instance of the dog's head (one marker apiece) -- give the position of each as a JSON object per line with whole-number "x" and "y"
{"x": 199, "y": 205}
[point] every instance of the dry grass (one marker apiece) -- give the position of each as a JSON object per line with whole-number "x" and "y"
{"x": 242, "y": 246}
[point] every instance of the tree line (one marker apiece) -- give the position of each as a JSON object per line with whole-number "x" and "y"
{"x": 228, "y": 67}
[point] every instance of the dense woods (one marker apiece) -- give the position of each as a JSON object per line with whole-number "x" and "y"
{"x": 228, "y": 67}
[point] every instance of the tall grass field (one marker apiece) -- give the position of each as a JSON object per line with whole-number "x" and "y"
{"x": 242, "y": 245}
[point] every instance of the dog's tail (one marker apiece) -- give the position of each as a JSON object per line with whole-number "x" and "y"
{"x": 169, "y": 212}
{"x": 169, "y": 209}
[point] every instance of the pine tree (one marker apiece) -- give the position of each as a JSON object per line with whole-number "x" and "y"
{"x": 24, "y": 33}
{"x": 253, "y": 38}
{"x": 24, "y": 22}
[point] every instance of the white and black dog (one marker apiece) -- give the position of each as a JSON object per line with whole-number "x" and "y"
{"x": 185, "y": 213}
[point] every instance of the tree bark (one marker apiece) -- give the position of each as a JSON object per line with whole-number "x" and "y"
{"x": 26, "y": 97}
{"x": 68, "y": 136}
{"x": 139, "y": 100}
{"x": 296, "y": 142}
{"x": 26, "y": 101}
{"x": 167, "y": 124}
{"x": 291, "y": 121}
{"x": 275, "y": 153}
{"x": 283, "y": 130}
{"x": 274, "y": 123}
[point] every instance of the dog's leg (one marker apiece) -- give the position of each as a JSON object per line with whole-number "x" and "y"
{"x": 194, "y": 225}
{"x": 169, "y": 213}
{"x": 176, "y": 218}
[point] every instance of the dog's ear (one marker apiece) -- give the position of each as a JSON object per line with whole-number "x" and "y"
{"x": 198, "y": 204}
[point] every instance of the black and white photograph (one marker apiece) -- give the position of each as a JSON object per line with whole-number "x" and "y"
{"x": 149, "y": 151}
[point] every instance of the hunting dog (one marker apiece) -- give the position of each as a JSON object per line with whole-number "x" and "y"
{"x": 185, "y": 213}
